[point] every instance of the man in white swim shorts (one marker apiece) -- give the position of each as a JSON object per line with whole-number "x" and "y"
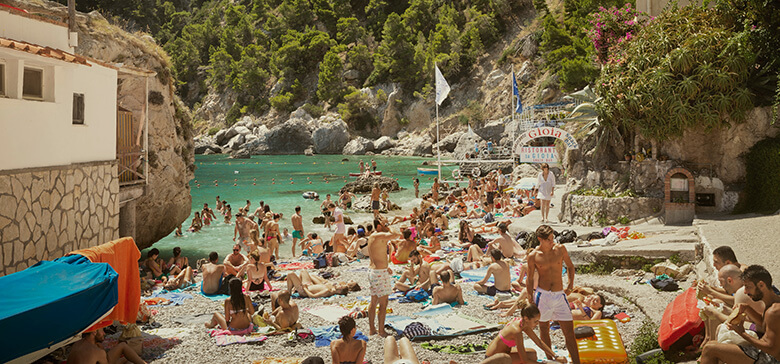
{"x": 550, "y": 297}
{"x": 381, "y": 284}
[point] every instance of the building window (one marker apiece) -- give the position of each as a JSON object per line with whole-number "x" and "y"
{"x": 2, "y": 79}
{"x": 78, "y": 109}
{"x": 33, "y": 84}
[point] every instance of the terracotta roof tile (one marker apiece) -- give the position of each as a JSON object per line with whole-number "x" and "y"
{"x": 43, "y": 51}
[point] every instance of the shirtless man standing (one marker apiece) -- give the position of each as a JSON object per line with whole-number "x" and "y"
{"x": 448, "y": 292}
{"x": 219, "y": 204}
{"x": 243, "y": 226}
{"x": 212, "y": 276}
{"x": 435, "y": 191}
{"x": 419, "y": 277}
{"x": 379, "y": 278}
{"x": 373, "y": 165}
{"x": 509, "y": 247}
{"x": 89, "y": 350}
{"x": 297, "y": 223}
{"x": 758, "y": 285}
{"x": 234, "y": 261}
{"x": 345, "y": 200}
{"x": 339, "y": 240}
{"x": 549, "y": 296}
{"x": 375, "y": 192}
{"x": 259, "y": 211}
{"x": 502, "y": 279}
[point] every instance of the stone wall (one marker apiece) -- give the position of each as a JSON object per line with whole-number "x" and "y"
{"x": 600, "y": 211}
{"x": 48, "y": 212}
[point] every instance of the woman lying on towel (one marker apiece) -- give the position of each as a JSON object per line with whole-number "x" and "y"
{"x": 238, "y": 312}
{"x": 317, "y": 287}
{"x": 510, "y": 338}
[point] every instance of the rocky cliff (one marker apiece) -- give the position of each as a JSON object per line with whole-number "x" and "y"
{"x": 166, "y": 201}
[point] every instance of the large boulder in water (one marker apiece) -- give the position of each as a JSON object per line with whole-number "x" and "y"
{"x": 448, "y": 143}
{"x": 236, "y": 142}
{"x": 363, "y": 204}
{"x": 330, "y": 138}
{"x": 383, "y": 143}
{"x": 240, "y": 154}
{"x": 204, "y": 144}
{"x": 292, "y": 137}
{"x": 366, "y": 184}
{"x": 358, "y": 146}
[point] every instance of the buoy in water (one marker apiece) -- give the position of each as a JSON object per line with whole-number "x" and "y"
{"x": 254, "y": 184}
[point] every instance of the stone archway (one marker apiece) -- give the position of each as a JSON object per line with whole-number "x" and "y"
{"x": 679, "y": 196}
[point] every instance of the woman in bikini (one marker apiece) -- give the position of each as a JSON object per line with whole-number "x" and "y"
{"x": 197, "y": 224}
{"x": 256, "y": 273}
{"x": 177, "y": 263}
{"x": 510, "y": 338}
{"x": 347, "y": 350}
{"x": 238, "y": 312}
{"x": 316, "y": 287}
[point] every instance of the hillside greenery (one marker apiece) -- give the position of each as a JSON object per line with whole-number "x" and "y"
{"x": 302, "y": 48}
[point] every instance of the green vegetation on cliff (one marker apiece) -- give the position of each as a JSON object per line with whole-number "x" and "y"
{"x": 282, "y": 53}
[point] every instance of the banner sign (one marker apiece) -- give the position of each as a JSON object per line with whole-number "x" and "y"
{"x": 547, "y": 132}
{"x": 538, "y": 155}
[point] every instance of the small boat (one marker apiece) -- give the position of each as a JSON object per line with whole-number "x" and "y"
{"x": 377, "y": 173}
{"x": 310, "y": 195}
{"x": 427, "y": 170}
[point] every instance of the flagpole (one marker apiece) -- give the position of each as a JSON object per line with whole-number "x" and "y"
{"x": 438, "y": 152}
{"x": 512, "y": 108}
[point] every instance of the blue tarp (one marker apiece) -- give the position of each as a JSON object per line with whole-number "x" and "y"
{"x": 53, "y": 301}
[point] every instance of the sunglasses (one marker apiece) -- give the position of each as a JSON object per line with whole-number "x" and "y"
{"x": 236, "y": 250}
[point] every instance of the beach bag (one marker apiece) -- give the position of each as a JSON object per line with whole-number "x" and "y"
{"x": 416, "y": 329}
{"x": 417, "y": 295}
{"x": 582, "y": 332}
{"x": 457, "y": 265}
{"x": 520, "y": 238}
{"x": 531, "y": 241}
{"x": 480, "y": 241}
{"x": 489, "y": 218}
{"x": 320, "y": 261}
{"x": 567, "y": 236}
{"x": 667, "y": 284}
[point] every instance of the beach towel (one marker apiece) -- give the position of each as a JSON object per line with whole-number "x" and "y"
{"x": 174, "y": 297}
{"x": 325, "y": 334}
{"x": 456, "y": 349}
{"x": 440, "y": 309}
{"x": 295, "y": 265}
{"x": 220, "y": 332}
{"x": 278, "y": 361}
{"x": 476, "y": 275}
{"x": 213, "y": 297}
{"x": 224, "y": 340}
{"x": 122, "y": 255}
{"x": 330, "y": 313}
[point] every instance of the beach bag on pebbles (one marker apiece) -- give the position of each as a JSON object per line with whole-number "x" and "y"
{"x": 416, "y": 329}
{"x": 567, "y": 236}
{"x": 320, "y": 261}
{"x": 417, "y": 295}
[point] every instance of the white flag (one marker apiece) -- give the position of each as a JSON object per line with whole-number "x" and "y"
{"x": 442, "y": 88}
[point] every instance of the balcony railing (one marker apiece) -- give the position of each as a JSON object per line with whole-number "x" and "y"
{"x": 129, "y": 151}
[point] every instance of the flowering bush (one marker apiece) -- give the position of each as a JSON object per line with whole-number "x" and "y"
{"x": 612, "y": 27}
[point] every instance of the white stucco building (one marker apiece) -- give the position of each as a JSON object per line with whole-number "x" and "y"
{"x": 59, "y": 154}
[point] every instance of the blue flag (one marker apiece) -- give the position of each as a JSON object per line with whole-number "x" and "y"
{"x": 516, "y": 92}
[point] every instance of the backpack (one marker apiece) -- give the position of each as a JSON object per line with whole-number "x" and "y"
{"x": 320, "y": 261}
{"x": 417, "y": 295}
{"x": 567, "y": 236}
{"x": 489, "y": 218}
{"x": 520, "y": 238}
{"x": 530, "y": 240}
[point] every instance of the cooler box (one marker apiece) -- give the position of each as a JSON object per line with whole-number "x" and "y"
{"x": 680, "y": 317}
{"x": 606, "y": 348}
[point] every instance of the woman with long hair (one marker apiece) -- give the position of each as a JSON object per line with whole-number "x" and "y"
{"x": 511, "y": 336}
{"x": 256, "y": 273}
{"x": 238, "y": 312}
{"x": 197, "y": 224}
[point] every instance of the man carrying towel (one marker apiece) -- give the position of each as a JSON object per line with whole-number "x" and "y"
{"x": 549, "y": 296}
{"x": 379, "y": 278}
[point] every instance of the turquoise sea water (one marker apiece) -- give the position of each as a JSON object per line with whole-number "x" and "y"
{"x": 253, "y": 181}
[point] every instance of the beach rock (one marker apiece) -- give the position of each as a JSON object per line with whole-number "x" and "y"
{"x": 526, "y": 72}
{"x": 358, "y": 146}
{"x": 236, "y": 142}
{"x": 224, "y": 136}
{"x": 242, "y": 130}
{"x": 466, "y": 144}
{"x": 204, "y": 144}
{"x": 246, "y": 122}
{"x": 363, "y": 204}
{"x": 495, "y": 78}
{"x": 492, "y": 131}
{"x": 448, "y": 143}
{"x": 309, "y": 152}
{"x": 240, "y": 154}
{"x": 330, "y": 138}
{"x": 291, "y": 137}
{"x": 530, "y": 47}
{"x": 321, "y": 220}
{"x": 366, "y": 184}
{"x": 420, "y": 145}
{"x": 383, "y": 143}
{"x": 301, "y": 114}
{"x": 526, "y": 170}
